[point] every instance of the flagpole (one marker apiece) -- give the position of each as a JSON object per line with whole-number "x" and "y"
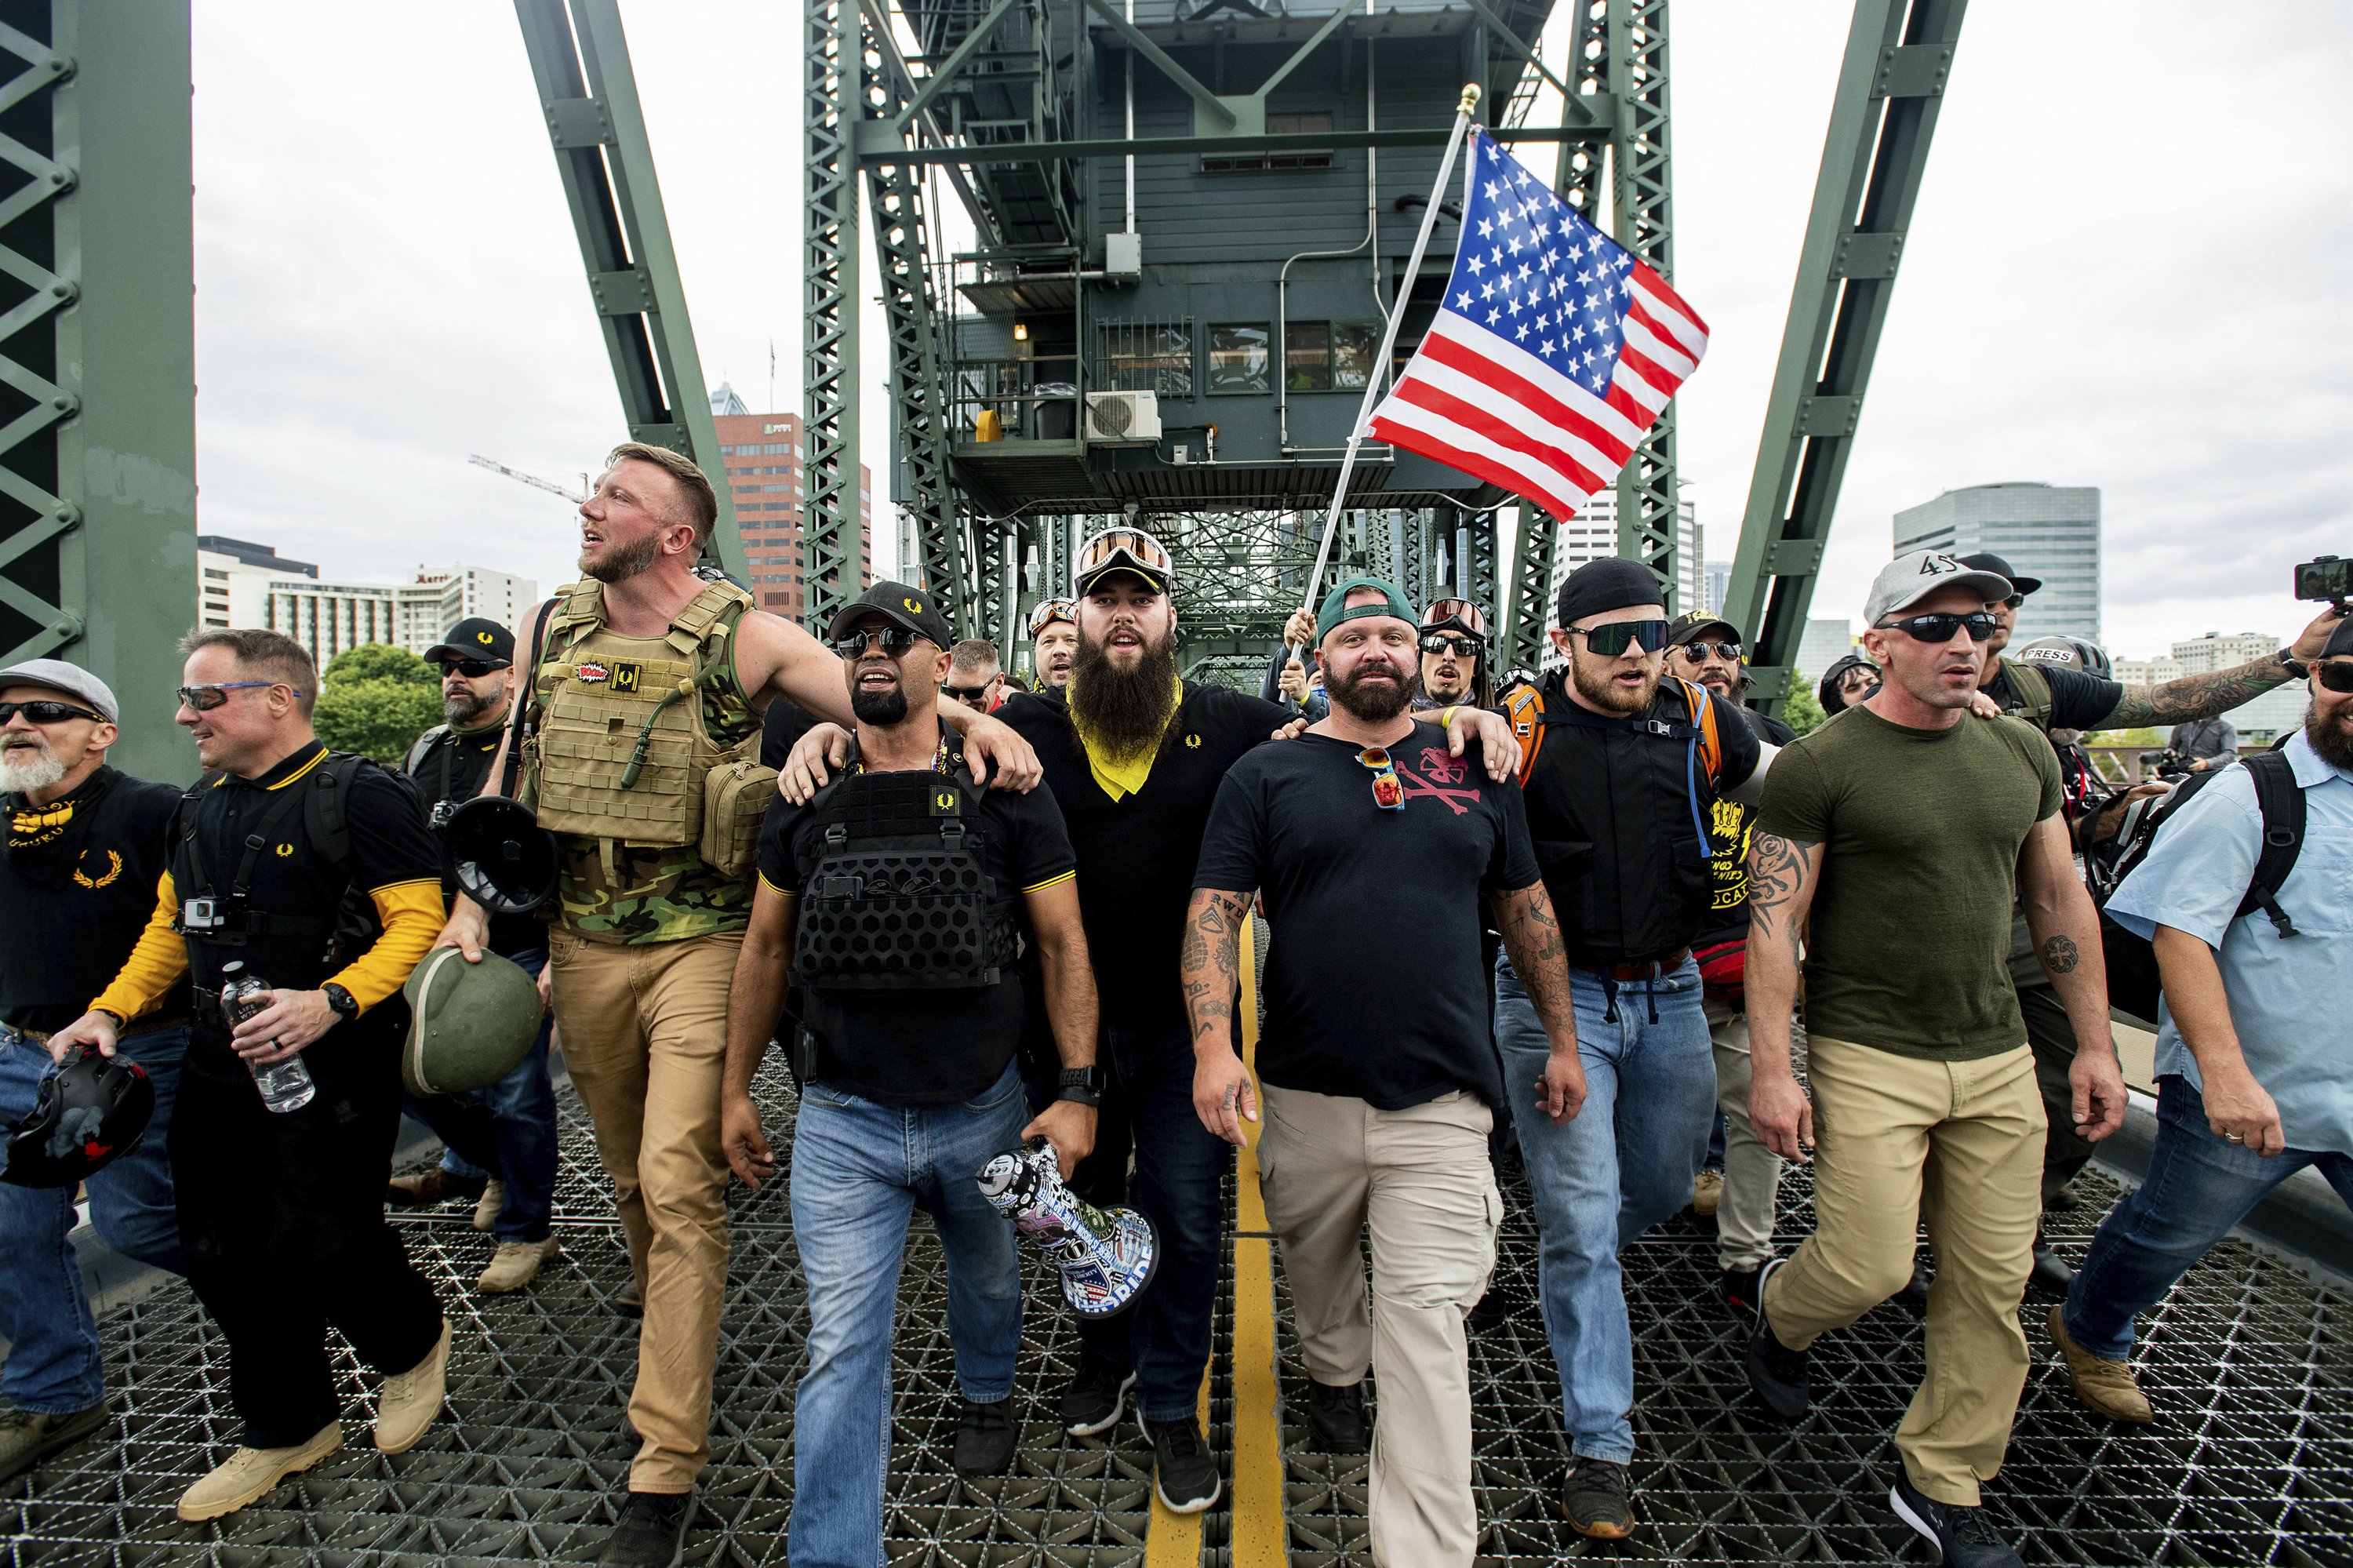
{"x": 1388, "y": 337}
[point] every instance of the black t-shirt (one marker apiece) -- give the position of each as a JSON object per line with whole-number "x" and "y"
{"x": 77, "y": 886}
{"x": 1375, "y": 987}
{"x": 449, "y": 770}
{"x": 1731, "y": 827}
{"x": 2078, "y": 701}
{"x": 1136, "y": 853}
{"x": 388, "y": 844}
{"x": 781, "y": 728}
{"x": 1617, "y": 814}
{"x": 924, "y": 1047}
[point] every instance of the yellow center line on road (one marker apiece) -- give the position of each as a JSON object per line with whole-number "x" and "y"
{"x": 1258, "y": 1537}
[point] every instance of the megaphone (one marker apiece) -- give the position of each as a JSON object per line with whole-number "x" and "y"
{"x": 1106, "y": 1256}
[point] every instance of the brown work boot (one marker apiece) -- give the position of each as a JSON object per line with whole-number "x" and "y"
{"x": 2107, "y": 1388}
{"x": 1708, "y": 1191}
{"x": 411, "y": 1399}
{"x": 249, "y": 1474}
{"x": 420, "y": 1189}
{"x": 515, "y": 1264}
{"x": 494, "y": 1199}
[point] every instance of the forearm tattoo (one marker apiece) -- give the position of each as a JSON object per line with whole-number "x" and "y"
{"x": 2060, "y": 955}
{"x": 2194, "y": 696}
{"x": 1209, "y": 960}
{"x": 1777, "y": 876}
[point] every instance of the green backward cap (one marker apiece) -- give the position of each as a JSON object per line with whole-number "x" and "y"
{"x": 468, "y": 1024}
{"x": 1335, "y": 605}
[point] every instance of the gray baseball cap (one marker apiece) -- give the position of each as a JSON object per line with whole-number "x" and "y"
{"x": 1907, "y": 579}
{"x": 59, "y": 676}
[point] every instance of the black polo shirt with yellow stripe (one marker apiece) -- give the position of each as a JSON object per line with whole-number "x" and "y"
{"x": 924, "y": 1047}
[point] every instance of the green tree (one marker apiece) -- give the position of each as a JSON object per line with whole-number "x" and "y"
{"x": 2152, "y": 738}
{"x": 377, "y": 699}
{"x": 1800, "y": 710}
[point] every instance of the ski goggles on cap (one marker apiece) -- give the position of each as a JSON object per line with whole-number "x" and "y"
{"x": 1460, "y": 611}
{"x": 1050, "y": 610}
{"x": 1124, "y": 549}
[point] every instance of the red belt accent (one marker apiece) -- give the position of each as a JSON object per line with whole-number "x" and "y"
{"x": 1648, "y": 968}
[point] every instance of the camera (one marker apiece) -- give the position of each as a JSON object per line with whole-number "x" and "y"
{"x": 2329, "y": 578}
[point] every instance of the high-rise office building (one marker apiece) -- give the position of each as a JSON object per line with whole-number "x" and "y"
{"x": 2047, "y": 531}
{"x": 1592, "y": 534}
{"x": 1715, "y": 586}
{"x": 1824, "y": 644}
{"x": 242, "y": 584}
{"x": 763, "y": 455}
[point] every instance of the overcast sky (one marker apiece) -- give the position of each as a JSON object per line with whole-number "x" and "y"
{"x": 2129, "y": 269}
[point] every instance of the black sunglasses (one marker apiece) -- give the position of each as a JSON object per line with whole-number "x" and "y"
{"x": 1728, "y": 652}
{"x": 204, "y": 699}
{"x": 472, "y": 669}
{"x": 965, "y": 695}
{"x": 894, "y": 641}
{"x": 1940, "y": 627}
{"x": 2337, "y": 674}
{"x": 1439, "y": 642}
{"x": 1613, "y": 639}
{"x": 41, "y": 711}
{"x": 2013, "y": 601}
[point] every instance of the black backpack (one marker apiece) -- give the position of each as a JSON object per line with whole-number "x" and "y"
{"x": 2134, "y": 982}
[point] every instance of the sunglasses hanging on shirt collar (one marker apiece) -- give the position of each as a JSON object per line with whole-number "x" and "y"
{"x": 1387, "y": 793}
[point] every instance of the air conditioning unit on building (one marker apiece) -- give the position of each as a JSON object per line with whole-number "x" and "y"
{"x": 1123, "y": 417}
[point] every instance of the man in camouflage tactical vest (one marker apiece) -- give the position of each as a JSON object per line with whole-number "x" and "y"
{"x": 641, "y": 752}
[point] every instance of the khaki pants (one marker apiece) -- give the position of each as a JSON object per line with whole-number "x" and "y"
{"x": 1752, "y": 1172}
{"x": 1328, "y": 1165}
{"x": 1958, "y": 1144}
{"x": 644, "y": 1031}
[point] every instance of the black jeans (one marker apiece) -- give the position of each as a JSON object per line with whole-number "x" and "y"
{"x": 282, "y": 1218}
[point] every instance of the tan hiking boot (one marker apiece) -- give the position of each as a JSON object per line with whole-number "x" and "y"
{"x": 2107, "y": 1388}
{"x": 249, "y": 1474}
{"x": 1708, "y": 1191}
{"x": 516, "y": 1265}
{"x": 494, "y": 1198}
{"x": 27, "y": 1436}
{"x": 411, "y": 1399}
{"x": 422, "y": 1189}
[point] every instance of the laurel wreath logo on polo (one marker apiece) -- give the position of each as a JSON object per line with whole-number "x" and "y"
{"x": 111, "y": 862}
{"x": 470, "y": 1024}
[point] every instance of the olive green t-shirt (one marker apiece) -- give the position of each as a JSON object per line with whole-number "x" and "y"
{"x": 1909, "y": 933}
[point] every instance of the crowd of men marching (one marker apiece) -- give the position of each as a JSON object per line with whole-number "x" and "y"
{"x": 1571, "y": 921}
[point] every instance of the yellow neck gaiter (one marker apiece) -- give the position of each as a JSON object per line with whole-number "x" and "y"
{"x": 1122, "y": 776}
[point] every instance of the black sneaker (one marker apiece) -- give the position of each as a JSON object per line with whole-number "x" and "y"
{"x": 2064, "y": 1200}
{"x": 1182, "y": 1471}
{"x": 2050, "y": 1276}
{"x": 1336, "y": 1416}
{"x": 985, "y": 1437}
{"x": 27, "y": 1438}
{"x": 651, "y": 1532}
{"x": 1963, "y": 1537}
{"x": 1738, "y": 1288}
{"x": 1777, "y": 1374}
{"x": 1914, "y": 1293}
{"x": 1096, "y": 1395}
{"x": 627, "y": 1301}
{"x": 1596, "y": 1500}
{"x": 1488, "y": 1313}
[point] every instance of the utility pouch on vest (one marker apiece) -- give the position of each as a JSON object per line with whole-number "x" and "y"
{"x": 898, "y": 897}
{"x": 736, "y": 799}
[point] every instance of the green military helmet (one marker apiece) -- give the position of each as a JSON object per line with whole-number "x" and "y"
{"x": 468, "y": 1024}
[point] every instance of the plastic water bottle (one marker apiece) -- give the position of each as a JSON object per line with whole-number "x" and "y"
{"x": 286, "y": 1087}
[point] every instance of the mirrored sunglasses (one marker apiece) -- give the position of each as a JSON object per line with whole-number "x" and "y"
{"x": 1942, "y": 626}
{"x": 204, "y": 699}
{"x": 894, "y": 642}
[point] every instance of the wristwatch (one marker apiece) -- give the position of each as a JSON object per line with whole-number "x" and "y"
{"x": 1081, "y": 1086}
{"x": 2296, "y": 667}
{"x": 346, "y": 1004}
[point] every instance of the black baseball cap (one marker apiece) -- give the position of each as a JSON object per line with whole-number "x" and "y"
{"x": 1691, "y": 627}
{"x": 476, "y": 637}
{"x": 2339, "y": 640}
{"x": 902, "y": 605}
{"x": 1984, "y": 561}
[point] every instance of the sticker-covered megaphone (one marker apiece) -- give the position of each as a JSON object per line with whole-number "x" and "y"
{"x": 1106, "y": 1256}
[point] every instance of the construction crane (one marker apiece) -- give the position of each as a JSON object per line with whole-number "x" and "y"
{"x": 549, "y": 485}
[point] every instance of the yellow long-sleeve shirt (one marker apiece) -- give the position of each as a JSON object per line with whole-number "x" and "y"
{"x": 410, "y": 912}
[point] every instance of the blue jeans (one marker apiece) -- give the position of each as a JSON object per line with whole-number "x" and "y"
{"x": 859, "y": 1168}
{"x": 1619, "y": 1166}
{"x": 2198, "y": 1187}
{"x": 1180, "y": 1169}
{"x": 54, "y": 1364}
{"x": 507, "y": 1130}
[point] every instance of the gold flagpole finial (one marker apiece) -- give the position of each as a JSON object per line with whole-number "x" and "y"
{"x": 1470, "y": 97}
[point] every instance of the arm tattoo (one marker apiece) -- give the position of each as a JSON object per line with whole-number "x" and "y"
{"x": 1778, "y": 874}
{"x": 2060, "y": 956}
{"x": 1209, "y": 960}
{"x": 2194, "y": 696}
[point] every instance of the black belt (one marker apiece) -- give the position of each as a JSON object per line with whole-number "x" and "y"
{"x": 1640, "y": 970}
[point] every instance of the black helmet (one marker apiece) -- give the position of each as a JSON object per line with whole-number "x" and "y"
{"x": 92, "y": 1111}
{"x": 501, "y": 857}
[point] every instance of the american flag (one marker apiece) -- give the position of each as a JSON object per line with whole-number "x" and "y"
{"x": 1552, "y": 351}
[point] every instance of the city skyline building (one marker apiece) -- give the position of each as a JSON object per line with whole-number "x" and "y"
{"x": 2044, "y": 531}
{"x": 243, "y": 584}
{"x": 761, "y": 455}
